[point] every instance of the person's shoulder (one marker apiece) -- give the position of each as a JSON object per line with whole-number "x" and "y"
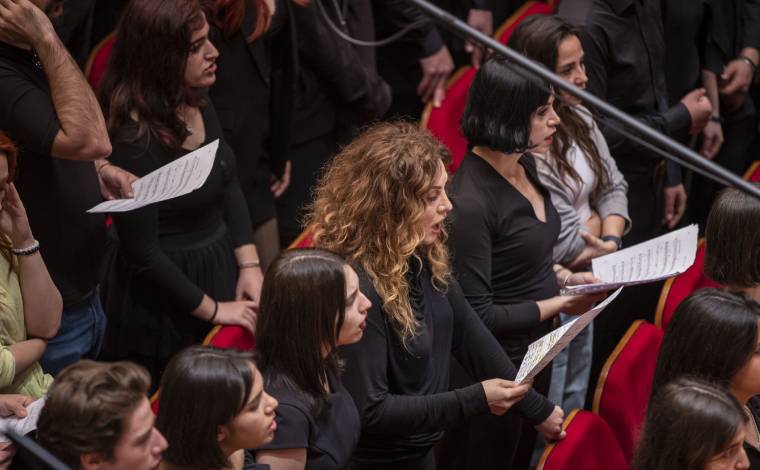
{"x": 287, "y": 395}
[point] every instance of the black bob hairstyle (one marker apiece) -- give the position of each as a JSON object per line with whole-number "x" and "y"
{"x": 712, "y": 335}
{"x": 688, "y": 423}
{"x": 202, "y": 388}
{"x": 500, "y": 105}
{"x": 302, "y": 309}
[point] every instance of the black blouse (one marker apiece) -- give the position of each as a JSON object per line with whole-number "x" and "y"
{"x": 502, "y": 252}
{"x": 402, "y": 392}
{"x": 145, "y": 232}
{"x": 329, "y": 439}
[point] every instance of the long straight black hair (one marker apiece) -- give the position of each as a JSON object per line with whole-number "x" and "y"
{"x": 302, "y": 309}
{"x": 146, "y": 70}
{"x": 688, "y": 423}
{"x": 539, "y": 38}
{"x": 712, "y": 335}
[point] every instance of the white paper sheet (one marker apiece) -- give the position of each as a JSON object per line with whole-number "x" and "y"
{"x": 180, "y": 177}
{"x": 23, "y": 425}
{"x": 543, "y": 350}
{"x": 649, "y": 261}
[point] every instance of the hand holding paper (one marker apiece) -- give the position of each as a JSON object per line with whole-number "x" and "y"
{"x": 543, "y": 350}
{"x": 180, "y": 177}
{"x": 650, "y": 261}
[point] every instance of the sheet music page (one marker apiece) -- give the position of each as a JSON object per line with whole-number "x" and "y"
{"x": 543, "y": 350}
{"x": 25, "y": 425}
{"x": 180, "y": 177}
{"x": 649, "y": 261}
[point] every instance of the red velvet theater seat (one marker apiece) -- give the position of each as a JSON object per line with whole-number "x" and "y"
{"x": 753, "y": 173}
{"x": 625, "y": 383}
{"x": 589, "y": 445}
{"x": 530, "y": 8}
{"x": 676, "y": 289}
{"x": 98, "y": 60}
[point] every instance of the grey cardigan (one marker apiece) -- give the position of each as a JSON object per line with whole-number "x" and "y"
{"x": 613, "y": 201}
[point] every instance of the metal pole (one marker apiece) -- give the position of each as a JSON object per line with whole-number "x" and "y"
{"x": 675, "y": 151}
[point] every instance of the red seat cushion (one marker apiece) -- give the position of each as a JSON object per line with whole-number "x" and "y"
{"x": 589, "y": 445}
{"x": 625, "y": 382}
{"x": 677, "y": 289}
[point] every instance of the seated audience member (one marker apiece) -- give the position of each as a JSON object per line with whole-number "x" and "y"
{"x": 732, "y": 237}
{"x": 30, "y": 304}
{"x": 692, "y": 425}
{"x": 504, "y": 229}
{"x": 97, "y": 416}
{"x": 188, "y": 262}
{"x": 714, "y": 336}
{"x": 583, "y": 181}
{"x": 310, "y": 304}
{"x": 213, "y": 405}
{"x": 382, "y": 204}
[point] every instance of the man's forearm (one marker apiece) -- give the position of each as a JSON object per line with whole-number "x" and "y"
{"x": 85, "y": 136}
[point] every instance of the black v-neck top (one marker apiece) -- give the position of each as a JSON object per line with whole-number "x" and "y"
{"x": 502, "y": 251}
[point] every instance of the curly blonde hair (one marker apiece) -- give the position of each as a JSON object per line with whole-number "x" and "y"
{"x": 367, "y": 205}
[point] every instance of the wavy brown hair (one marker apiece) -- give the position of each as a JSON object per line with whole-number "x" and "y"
{"x": 8, "y": 148}
{"x": 367, "y": 205}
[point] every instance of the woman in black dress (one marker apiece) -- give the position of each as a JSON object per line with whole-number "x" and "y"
{"x": 189, "y": 262}
{"x": 503, "y": 235}
{"x": 310, "y": 305}
{"x": 253, "y": 98}
{"x": 715, "y": 335}
{"x": 382, "y": 204}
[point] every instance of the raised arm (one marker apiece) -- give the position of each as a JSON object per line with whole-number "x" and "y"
{"x": 82, "y": 134}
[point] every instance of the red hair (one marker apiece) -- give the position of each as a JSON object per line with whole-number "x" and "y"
{"x": 230, "y": 14}
{"x": 9, "y": 149}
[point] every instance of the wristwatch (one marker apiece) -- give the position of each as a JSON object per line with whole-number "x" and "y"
{"x": 615, "y": 239}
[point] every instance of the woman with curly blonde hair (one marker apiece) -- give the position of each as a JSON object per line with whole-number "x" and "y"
{"x": 382, "y": 204}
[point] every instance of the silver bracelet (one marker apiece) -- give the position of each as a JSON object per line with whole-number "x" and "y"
{"x": 249, "y": 264}
{"x": 27, "y": 251}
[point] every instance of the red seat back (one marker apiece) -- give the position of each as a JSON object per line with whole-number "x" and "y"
{"x": 230, "y": 337}
{"x": 676, "y": 289}
{"x": 529, "y": 8}
{"x": 753, "y": 173}
{"x": 98, "y": 61}
{"x": 625, "y": 383}
{"x": 589, "y": 445}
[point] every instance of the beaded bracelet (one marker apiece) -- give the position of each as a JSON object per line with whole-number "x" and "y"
{"x": 27, "y": 251}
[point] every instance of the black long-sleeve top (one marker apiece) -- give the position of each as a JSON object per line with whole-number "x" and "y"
{"x": 402, "y": 393}
{"x": 625, "y": 61}
{"x": 143, "y": 232}
{"x": 502, "y": 252}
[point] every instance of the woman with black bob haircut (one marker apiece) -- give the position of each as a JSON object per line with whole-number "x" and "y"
{"x": 213, "y": 405}
{"x": 503, "y": 233}
{"x": 188, "y": 262}
{"x": 732, "y": 255}
{"x": 310, "y": 305}
{"x": 714, "y": 336}
{"x": 692, "y": 425}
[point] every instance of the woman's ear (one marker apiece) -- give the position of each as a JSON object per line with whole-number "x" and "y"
{"x": 91, "y": 461}
{"x": 222, "y": 433}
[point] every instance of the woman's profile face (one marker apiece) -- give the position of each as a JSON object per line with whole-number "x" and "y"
{"x": 437, "y": 207}
{"x": 734, "y": 457}
{"x": 357, "y": 305}
{"x": 200, "y": 68}
{"x": 254, "y": 426}
{"x": 543, "y": 125}
{"x": 571, "y": 67}
{"x": 746, "y": 382}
